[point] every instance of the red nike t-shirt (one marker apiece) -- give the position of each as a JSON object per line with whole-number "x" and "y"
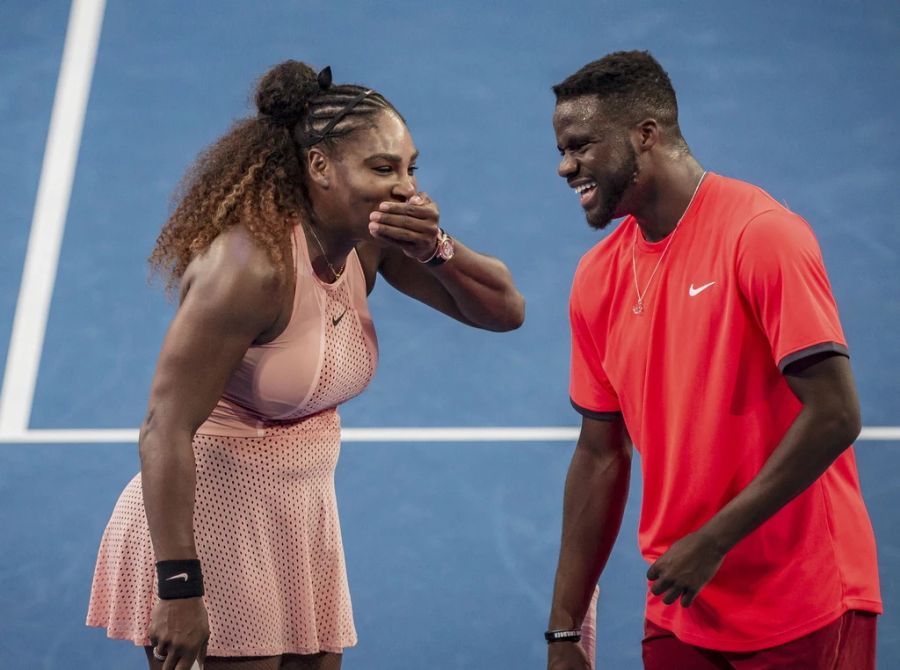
{"x": 697, "y": 376}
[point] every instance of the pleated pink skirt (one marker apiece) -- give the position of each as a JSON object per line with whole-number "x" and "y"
{"x": 268, "y": 537}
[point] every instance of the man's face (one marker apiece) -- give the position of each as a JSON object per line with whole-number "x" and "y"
{"x": 598, "y": 160}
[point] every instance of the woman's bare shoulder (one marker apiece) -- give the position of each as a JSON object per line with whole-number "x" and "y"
{"x": 234, "y": 256}
{"x": 236, "y": 274}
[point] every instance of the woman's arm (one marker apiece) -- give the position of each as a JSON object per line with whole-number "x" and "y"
{"x": 228, "y": 301}
{"x": 473, "y": 288}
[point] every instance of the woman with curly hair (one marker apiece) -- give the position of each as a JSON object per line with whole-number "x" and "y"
{"x": 226, "y": 548}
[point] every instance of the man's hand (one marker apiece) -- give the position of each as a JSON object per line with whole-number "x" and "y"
{"x": 412, "y": 226}
{"x": 685, "y": 568}
{"x": 567, "y": 656}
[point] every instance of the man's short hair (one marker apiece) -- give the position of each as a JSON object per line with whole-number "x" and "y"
{"x": 631, "y": 86}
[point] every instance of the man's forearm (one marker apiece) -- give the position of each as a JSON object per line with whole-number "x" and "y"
{"x": 595, "y": 495}
{"x": 810, "y": 446}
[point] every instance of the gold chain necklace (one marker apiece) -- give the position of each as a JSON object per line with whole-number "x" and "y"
{"x": 337, "y": 275}
{"x": 639, "y": 305}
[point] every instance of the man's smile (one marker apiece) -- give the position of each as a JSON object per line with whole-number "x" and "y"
{"x": 585, "y": 191}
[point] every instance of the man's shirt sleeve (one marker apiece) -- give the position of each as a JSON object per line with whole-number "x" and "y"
{"x": 590, "y": 392}
{"x": 782, "y": 275}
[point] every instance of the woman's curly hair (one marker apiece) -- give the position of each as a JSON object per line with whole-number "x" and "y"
{"x": 254, "y": 174}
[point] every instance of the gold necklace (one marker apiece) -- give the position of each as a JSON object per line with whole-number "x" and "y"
{"x": 337, "y": 275}
{"x": 639, "y": 305}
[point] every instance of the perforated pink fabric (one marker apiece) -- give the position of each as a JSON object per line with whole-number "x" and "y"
{"x": 348, "y": 364}
{"x": 330, "y": 333}
{"x": 265, "y": 515}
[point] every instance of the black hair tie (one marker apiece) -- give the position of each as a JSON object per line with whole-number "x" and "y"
{"x": 315, "y": 138}
{"x": 324, "y": 78}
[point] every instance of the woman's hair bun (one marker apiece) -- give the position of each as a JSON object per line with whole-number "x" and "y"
{"x": 284, "y": 91}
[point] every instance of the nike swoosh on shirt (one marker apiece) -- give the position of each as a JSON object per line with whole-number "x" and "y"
{"x": 694, "y": 291}
{"x": 335, "y": 322}
{"x": 180, "y": 575}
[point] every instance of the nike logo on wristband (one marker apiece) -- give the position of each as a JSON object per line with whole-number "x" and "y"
{"x": 180, "y": 575}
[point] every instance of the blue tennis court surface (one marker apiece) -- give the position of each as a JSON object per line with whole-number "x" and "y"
{"x": 454, "y": 543}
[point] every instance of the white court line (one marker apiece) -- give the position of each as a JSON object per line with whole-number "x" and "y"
{"x": 49, "y": 219}
{"x": 527, "y": 434}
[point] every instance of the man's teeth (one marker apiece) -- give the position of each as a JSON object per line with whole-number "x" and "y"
{"x": 585, "y": 187}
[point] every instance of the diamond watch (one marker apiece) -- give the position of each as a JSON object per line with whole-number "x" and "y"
{"x": 443, "y": 250}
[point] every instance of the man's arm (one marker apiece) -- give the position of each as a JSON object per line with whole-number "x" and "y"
{"x": 595, "y": 495}
{"x": 824, "y": 428}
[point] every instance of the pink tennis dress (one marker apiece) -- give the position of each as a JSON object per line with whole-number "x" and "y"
{"x": 265, "y": 516}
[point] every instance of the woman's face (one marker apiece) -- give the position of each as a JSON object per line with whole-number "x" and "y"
{"x": 375, "y": 164}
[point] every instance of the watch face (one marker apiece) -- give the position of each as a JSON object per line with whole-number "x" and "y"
{"x": 445, "y": 249}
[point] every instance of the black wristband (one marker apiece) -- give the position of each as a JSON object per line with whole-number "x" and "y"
{"x": 179, "y": 579}
{"x": 562, "y": 636}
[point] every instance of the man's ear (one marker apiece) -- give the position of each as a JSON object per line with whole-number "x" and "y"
{"x": 318, "y": 167}
{"x": 647, "y": 134}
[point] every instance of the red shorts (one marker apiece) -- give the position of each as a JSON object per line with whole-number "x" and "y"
{"x": 845, "y": 644}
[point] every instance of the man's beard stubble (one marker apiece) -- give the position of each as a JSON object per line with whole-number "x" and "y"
{"x": 616, "y": 187}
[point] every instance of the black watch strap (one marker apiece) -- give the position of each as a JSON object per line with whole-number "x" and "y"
{"x": 562, "y": 636}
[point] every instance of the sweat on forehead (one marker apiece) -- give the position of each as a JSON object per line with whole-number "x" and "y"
{"x": 585, "y": 111}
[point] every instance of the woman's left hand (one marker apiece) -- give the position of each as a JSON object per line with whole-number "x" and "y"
{"x": 411, "y": 226}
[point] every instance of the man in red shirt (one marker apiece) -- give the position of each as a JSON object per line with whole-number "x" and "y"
{"x": 704, "y": 329}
